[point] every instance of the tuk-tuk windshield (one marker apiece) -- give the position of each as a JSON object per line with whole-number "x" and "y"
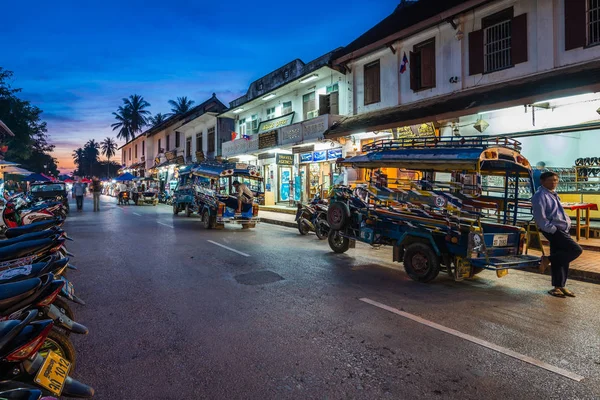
{"x": 225, "y": 183}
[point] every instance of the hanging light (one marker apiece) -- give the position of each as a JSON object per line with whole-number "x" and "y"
{"x": 481, "y": 125}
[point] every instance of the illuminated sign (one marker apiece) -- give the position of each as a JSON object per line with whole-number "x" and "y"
{"x": 284, "y": 159}
{"x": 276, "y": 123}
{"x": 320, "y": 155}
{"x": 306, "y": 157}
{"x": 334, "y": 154}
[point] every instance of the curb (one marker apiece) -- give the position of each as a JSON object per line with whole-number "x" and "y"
{"x": 277, "y": 222}
{"x": 277, "y": 210}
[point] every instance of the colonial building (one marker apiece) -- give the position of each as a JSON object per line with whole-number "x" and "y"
{"x": 283, "y": 114}
{"x": 523, "y": 68}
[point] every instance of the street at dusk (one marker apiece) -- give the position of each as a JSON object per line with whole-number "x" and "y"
{"x": 172, "y": 315}
{"x": 391, "y": 199}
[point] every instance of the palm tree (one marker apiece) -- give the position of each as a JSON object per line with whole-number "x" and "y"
{"x": 109, "y": 148}
{"x": 158, "y": 119}
{"x": 131, "y": 117}
{"x": 91, "y": 150}
{"x": 124, "y": 125}
{"x": 182, "y": 105}
{"x": 78, "y": 158}
{"x": 137, "y": 113}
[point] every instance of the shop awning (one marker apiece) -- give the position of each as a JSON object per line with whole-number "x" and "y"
{"x": 556, "y": 83}
{"x": 140, "y": 165}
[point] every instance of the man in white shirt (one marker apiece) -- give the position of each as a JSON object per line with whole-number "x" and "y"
{"x": 244, "y": 195}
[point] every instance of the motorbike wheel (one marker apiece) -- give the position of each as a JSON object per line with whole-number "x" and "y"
{"x": 322, "y": 229}
{"x": 337, "y": 242}
{"x": 175, "y": 209}
{"x": 303, "y": 227}
{"x": 337, "y": 216}
{"x": 61, "y": 345}
{"x": 188, "y": 211}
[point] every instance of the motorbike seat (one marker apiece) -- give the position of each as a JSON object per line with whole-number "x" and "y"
{"x": 30, "y": 236}
{"x": 35, "y": 227}
{"x": 15, "y": 292}
{"x": 35, "y": 270}
{"x": 7, "y": 326}
{"x": 26, "y": 248}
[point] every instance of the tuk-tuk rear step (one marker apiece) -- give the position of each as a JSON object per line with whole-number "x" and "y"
{"x": 505, "y": 260}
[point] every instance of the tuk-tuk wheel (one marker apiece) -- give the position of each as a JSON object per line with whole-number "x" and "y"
{"x": 188, "y": 210}
{"x": 175, "y": 209}
{"x": 206, "y": 223}
{"x": 337, "y": 242}
{"x": 337, "y": 215}
{"x": 420, "y": 262}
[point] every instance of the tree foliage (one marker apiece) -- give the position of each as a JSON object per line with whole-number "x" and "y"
{"x": 181, "y": 105}
{"x": 29, "y": 146}
{"x": 131, "y": 117}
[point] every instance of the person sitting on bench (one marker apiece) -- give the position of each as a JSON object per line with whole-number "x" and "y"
{"x": 244, "y": 195}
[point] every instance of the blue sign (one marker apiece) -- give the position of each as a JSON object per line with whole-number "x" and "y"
{"x": 319, "y": 155}
{"x": 334, "y": 154}
{"x": 306, "y": 157}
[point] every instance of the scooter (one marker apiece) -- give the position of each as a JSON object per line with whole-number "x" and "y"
{"x": 312, "y": 217}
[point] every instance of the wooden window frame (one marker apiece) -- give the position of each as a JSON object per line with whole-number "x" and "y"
{"x": 211, "y": 145}
{"x": 416, "y": 69}
{"x": 372, "y": 90}
{"x": 199, "y": 146}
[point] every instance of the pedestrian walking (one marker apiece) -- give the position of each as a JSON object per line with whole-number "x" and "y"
{"x": 553, "y": 221}
{"x": 79, "y": 192}
{"x": 96, "y": 191}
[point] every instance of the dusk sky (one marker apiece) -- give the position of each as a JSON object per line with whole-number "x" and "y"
{"x": 76, "y": 60}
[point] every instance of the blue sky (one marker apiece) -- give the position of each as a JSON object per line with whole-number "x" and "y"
{"x": 76, "y": 61}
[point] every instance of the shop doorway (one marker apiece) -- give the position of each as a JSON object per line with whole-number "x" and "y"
{"x": 285, "y": 184}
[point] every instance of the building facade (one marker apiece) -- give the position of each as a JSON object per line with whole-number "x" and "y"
{"x": 284, "y": 114}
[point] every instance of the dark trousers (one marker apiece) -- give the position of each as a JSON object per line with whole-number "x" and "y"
{"x": 563, "y": 250}
{"x": 79, "y": 200}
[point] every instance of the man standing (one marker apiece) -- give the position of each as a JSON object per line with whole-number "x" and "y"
{"x": 554, "y": 223}
{"x": 96, "y": 190}
{"x": 79, "y": 192}
{"x": 244, "y": 195}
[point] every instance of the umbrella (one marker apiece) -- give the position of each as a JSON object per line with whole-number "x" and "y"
{"x": 64, "y": 177}
{"x": 86, "y": 180}
{"x": 125, "y": 177}
{"x": 11, "y": 169}
{"x": 37, "y": 178}
{"x": 4, "y": 164}
{"x": 69, "y": 180}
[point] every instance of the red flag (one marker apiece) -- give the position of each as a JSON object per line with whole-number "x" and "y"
{"x": 233, "y": 135}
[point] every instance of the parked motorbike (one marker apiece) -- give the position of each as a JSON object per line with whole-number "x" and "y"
{"x": 22, "y": 363}
{"x": 312, "y": 217}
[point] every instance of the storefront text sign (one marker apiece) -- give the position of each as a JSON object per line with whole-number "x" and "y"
{"x": 267, "y": 140}
{"x": 320, "y": 156}
{"x": 334, "y": 154}
{"x": 285, "y": 159}
{"x": 276, "y": 123}
{"x": 303, "y": 149}
{"x": 306, "y": 157}
{"x": 240, "y": 146}
{"x": 314, "y": 128}
{"x": 291, "y": 134}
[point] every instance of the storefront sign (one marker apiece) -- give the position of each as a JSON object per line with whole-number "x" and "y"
{"x": 291, "y": 134}
{"x": 267, "y": 140}
{"x": 179, "y": 160}
{"x": 334, "y": 154}
{"x": 320, "y": 156}
{"x": 265, "y": 156}
{"x": 306, "y": 157}
{"x": 240, "y": 146}
{"x": 170, "y": 155}
{"x": 276, "y": 123}
{"x": 314, "y": 128}
{"x": 284, "y": 159}
{"x": 303, "y": 149}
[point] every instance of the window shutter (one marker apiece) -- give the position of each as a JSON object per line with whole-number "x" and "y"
{"x": 575, "y": 24}
{"x": 428, "y": 66}
{"x": 376, "y": 84}
{"x": 519, "y": 39}
{"x": 323, "y": 104}
{"x": 476, "y": 52}
{"x": 412, "y": 62}
{"x": 368, "y": 86}
{"x": 334, "y": 103}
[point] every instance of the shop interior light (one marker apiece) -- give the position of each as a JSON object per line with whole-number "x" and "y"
{"x": 481, "y": 125}
{"x": 239, "y": 110}
{"x": 309, "y": 78}
{"x": 269, "y": 96}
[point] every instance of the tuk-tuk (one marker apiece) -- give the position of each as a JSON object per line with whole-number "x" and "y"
{"x": 207, "y": 189}
{"x": 461, "y": 215}
{"x": 148, "y": 191}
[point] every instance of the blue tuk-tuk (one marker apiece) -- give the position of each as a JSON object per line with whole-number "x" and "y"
{"x": 459, "y": 212}
{"x": 207, "y": 189}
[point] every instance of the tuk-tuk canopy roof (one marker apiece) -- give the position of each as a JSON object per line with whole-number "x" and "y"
{"x": 491, "y": 155}
{"x": 223, "y": 169}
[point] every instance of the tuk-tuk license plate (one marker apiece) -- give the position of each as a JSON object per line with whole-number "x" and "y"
{"x": 500, "y": 240}
{"x": 53, "y": 373}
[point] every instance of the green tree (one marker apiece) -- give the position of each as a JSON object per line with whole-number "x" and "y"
{"x": 158, "y": 119}
{"x": 109, "y": 148}
{"x": 29, "y": 146}
{"x": 78, "y": 159}
{"x": 92, "y": 151}
{"x": 182, "y": 105}
{"x": 131, "y": 117}
{"x": 122, "y": 115}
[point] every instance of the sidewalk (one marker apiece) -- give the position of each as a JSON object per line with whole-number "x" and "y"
{"x": 585, "y": 268}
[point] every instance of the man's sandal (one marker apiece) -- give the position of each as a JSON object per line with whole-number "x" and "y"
{"x": 556, "y": 293}
{"x": 567, "y": 292}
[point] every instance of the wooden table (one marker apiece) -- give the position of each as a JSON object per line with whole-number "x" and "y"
{"x": 578, "y": 207}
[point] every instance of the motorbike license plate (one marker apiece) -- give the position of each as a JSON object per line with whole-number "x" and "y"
{"x": 500, "y": 240}
{"x": 53, "y": 373}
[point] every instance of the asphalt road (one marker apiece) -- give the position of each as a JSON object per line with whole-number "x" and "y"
{"x": 174, "y": 315}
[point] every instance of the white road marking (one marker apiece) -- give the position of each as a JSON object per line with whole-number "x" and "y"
{"x": 229, "y": 248}
{"x": 170, "y": 226}
{"x": 139, "y": 215}
{"x": 481, "y": 342}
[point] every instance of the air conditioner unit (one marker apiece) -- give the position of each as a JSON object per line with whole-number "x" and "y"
{"x": 312, "y": 114}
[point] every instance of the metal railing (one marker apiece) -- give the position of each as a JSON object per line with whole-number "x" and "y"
{"x": 593, "y": 22}
{"x": 497, "y": 46}
{"x": 431, "y": 142}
